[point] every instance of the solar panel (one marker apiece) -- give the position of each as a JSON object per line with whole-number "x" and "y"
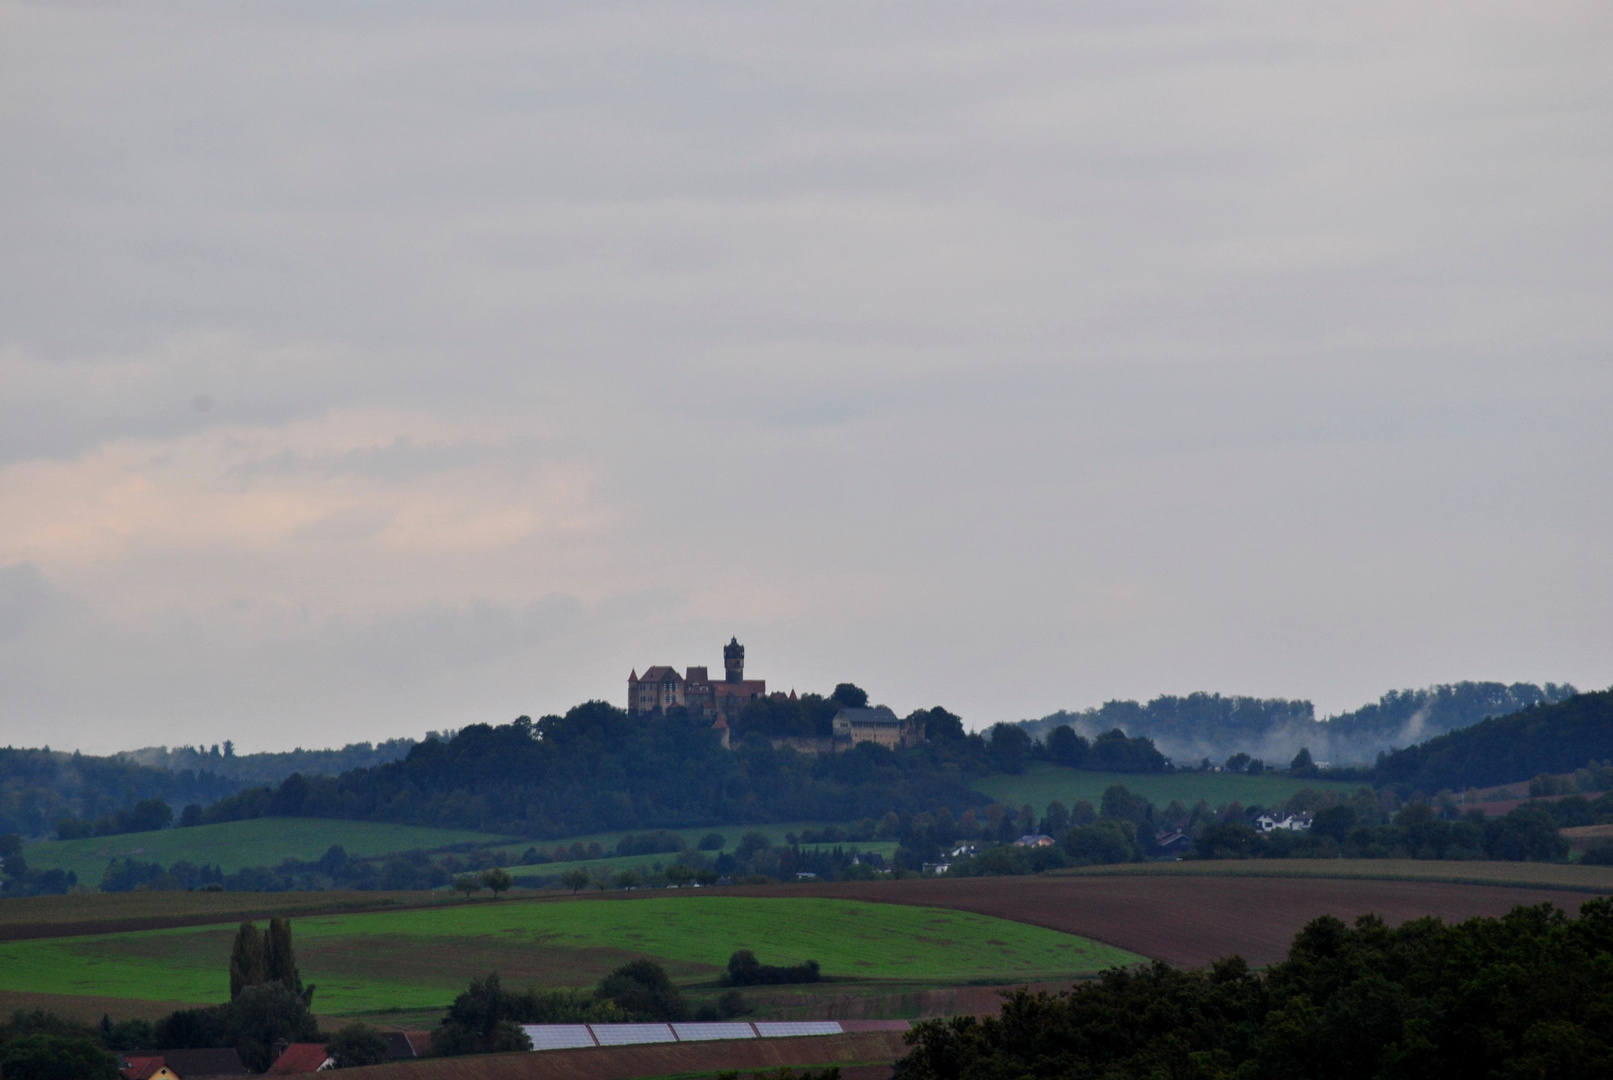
{"x": 705, "y": 1032}
{"x": 629, "y": 1034}
{"x": 779, "y": 1029}
{"x": 557, "y": 1036}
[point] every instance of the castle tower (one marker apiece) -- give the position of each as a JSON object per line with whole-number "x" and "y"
{"x": 733, "y": 660}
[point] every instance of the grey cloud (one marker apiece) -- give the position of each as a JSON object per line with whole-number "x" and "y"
{"x": 399, "y": 460}
{"x": 25, "y": 599}
{"x": 1008, "y": 357}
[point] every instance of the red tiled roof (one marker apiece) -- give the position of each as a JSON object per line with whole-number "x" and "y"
{"x": 299, "y": 1058}
{"x": 660, "y": 673}
{"x": 140, "y": 1068}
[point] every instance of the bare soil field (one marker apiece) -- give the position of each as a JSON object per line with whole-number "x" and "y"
{"x": 86, "y": 1009}
{"x": 111, "y": 913}
{"x": 1191, "y": 920}
{"x": 1530, "y": 874}
{"x": 663, "y": 1059}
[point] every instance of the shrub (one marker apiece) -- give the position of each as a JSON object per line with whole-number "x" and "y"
{"x": 745, "y": 970}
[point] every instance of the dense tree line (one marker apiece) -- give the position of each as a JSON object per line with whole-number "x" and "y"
{"x": 1528, "y": 833}
{"x": 597, "y": 769}
{"x": 1547, "y": 738}
{"x": 1526, "y": 995}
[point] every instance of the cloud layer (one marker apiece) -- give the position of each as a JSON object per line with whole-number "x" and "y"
{"x": 367, "y": 369}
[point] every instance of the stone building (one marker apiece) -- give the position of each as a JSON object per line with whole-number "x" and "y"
{"x": 661, "y": 688}
{"x": 877, "y": 725}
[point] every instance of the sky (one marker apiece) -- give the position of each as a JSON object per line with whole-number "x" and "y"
{"x": 370, "y": 368}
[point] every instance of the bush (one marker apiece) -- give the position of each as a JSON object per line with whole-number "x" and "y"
{"x": 642, "y": 990}
{"x": 745, "y": 970}
{"x": 484, "y": 1019}
{"x": 357, "y": 1044}
{"x": 712, "y": 842}
{"x": 1108, "y": 841}
{"x": 1598, "y": 853}
{"x": 56, "y": 1057}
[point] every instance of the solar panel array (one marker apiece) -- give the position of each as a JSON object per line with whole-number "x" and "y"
{"x": 785, "y": 1028}
{"x": 569, "y": 1036}
{"x": 557, "y": 1036}
{"x": 705, "y": 1032}
{"x": 630, "y": 1034}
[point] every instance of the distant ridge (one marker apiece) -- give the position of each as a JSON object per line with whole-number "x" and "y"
{"x": 1215, "y": 726}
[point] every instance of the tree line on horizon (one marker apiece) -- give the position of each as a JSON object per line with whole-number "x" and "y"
{"x": 1202, "y": 726}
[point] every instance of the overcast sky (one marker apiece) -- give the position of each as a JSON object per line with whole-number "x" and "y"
{"x": 372, "y": 368}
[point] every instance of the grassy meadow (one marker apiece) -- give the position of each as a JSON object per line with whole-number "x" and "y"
{"x": 1043, "y": 782}
{"x": 419, "y": 959}
{"x": 234, "y": 844}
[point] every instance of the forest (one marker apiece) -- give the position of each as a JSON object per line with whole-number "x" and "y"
{"x": 1550, "y": 739}
{"x": 1526, "y": 995}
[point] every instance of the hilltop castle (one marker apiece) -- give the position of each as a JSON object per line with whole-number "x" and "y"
{"x": 662, "y": 688}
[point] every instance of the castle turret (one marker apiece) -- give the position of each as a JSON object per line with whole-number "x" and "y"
{"x": 733, "y": 659}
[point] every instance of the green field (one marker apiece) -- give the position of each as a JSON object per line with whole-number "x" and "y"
{"x": 1041, "y": 783}
{"x": 420, "y": 959}
{"x": 235, "y": 844}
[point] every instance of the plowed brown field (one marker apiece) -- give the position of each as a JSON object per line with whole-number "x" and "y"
{"x": 1191, "y": 920}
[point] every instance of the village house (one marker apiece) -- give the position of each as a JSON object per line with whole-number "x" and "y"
{"x": 1037, "y": 840}
{"x": 1172, "y": 844}
{"x": 1270, "y": 822}
{"x": 298, "y": 1058}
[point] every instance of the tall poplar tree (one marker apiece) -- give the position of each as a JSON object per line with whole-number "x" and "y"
{"x": 247, "y": 966}
{"x": 280, "y": 959}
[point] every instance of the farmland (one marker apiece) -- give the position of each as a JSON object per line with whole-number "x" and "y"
{"x": 419, "y": 959}
{"x": 235, "y": 844}
{"x": 731, "y": 834}
{"x": 269, "y": 841}
{"x": 1189, "y": 919}
{"x": 1042, "y": 783}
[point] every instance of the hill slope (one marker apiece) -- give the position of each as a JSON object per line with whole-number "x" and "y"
{"x": 1553, "y": 738}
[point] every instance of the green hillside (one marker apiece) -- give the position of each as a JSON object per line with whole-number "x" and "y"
{"x": 419, "y": 959}
{"x": 233, "y": 845}
{"x": 1042, "y": 782}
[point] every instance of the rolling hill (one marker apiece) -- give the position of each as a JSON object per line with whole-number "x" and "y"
{"x": 1554, "y": 738}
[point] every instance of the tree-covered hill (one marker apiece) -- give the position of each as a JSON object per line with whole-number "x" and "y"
{"x": 597, "y": 769}
{"x": 1555, "y": 738}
